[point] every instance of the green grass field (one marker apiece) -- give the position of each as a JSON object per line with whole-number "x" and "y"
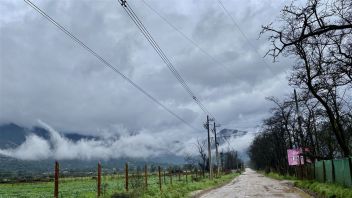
{"x": 86, "y": 187}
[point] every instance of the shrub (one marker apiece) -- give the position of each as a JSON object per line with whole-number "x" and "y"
{"x": 121, "y": 195}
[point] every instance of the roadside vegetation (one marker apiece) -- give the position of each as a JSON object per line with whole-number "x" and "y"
{"x": 113, "y": 186}
{"x": 315, "y": 188}
{"x": 179, "y": 189}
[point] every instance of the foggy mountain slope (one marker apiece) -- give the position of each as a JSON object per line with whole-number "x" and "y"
{"x": 226, "y": 134}
{"x": 16, "y": 137}
{"x": 42, "y": 142}
{"x": 12, "y": 135}
{"x": 36, "y": 149}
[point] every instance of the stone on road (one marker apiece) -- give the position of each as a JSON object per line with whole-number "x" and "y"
{"x": 252, "y": 184}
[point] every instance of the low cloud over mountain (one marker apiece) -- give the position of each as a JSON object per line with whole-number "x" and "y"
{"x": 59, "y": 146}
{"x": 44, "y": 142}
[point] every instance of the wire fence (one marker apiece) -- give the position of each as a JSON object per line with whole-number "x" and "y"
{"x": 60, "y": 182}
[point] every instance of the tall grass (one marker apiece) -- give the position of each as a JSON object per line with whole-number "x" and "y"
{"x": 325, "y": 189}
{"x": 177, "y": 188}
{"x": 316, "y": 188}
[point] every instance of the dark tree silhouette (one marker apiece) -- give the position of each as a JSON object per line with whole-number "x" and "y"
{"x": 319, "y": 37}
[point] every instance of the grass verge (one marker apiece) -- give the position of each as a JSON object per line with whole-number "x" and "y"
{"x": 316, "y": 188}
{"x": 325, "y": 189}
{"x": 178, "y": 189}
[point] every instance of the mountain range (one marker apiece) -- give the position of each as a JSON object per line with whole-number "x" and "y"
{"x": 13, "y": 135}
{"x": 231, "y": 133}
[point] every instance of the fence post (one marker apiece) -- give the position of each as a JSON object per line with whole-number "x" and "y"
{"x": 324, "y": 172}
{"x": 314, "y": 170}
{"x": 99, "y": 180}
{"x": 179, "y": 175}
{"x": 170, "y": 173}
{"x": 192, "y": 176}
{"x": 303, "y": 171}
{"x": 164, "y": 178}
{"x": 350, "y": 165}
{"x": 56, "y": 181}
{"x": 186, "y": 177}
{"x": 146, "y": 176}
{"x": 126, "y": 176}
{"x": 333, "y": 170}
{"x": 159, "y": 177}
{"x": 295, "y": 168}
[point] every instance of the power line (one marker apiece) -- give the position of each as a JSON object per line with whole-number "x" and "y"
{"x": 188, "y": 38}
{"x": 105, "y": 62}
{"x": 156, "y": 47}
{"x": 162, "y": 55}
{"x": 243, "y": 34}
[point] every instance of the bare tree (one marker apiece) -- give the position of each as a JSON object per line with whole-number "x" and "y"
{"x": 201, "y": 146}
{"x": 191, "y": 161}
{"x": 319, "y": 36}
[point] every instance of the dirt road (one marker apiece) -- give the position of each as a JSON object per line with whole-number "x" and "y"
{"x": 252, "y": 184}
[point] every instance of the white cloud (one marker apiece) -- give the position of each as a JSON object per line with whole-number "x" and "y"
{"x": 43, "y": 74}
{"x": 33, "y": 148}
{"x": 141, "y": 145}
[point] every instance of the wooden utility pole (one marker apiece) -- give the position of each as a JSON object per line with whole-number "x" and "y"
{"x": 216, "y": 151}
{"x": 56, "y": 185}
{"x": 300, "y": 134}
{"x": 209, "y": 150}
{"x": 299, "y": 119}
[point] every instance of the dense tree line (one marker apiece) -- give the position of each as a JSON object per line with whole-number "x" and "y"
{"x": 318, "y": 38}
{"x": 229, "y": 159}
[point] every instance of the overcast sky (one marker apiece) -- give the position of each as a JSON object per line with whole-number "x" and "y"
{"x": 45, "y": 75}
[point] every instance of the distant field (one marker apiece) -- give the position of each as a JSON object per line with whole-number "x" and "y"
{"x": 86, "y": 187}
{"x": 69, "y": 187}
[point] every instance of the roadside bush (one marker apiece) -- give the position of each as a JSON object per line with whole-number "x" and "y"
{"x": 121, "y": 195}
{"x": 133, "y": 194}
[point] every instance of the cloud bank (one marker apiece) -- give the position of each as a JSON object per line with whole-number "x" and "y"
{"x": 137, "y": 145}
{"x": 43, "y": 74}
{"x": 141, "y": 145}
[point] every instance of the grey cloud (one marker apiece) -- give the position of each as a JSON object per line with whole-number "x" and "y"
{"x": 141, "y": 145}
{"x": 45, "y": 75}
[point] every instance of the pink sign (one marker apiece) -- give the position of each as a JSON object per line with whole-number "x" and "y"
{"x": 293, "y": 156}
